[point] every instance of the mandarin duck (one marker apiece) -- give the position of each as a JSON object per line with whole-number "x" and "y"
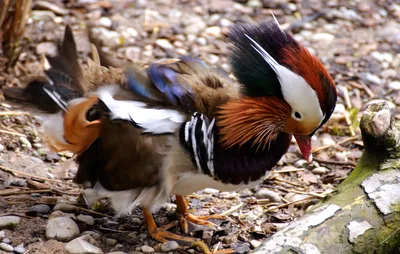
{"x": 180, "y": 126}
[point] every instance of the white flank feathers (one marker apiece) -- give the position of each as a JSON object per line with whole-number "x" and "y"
{"x": 54, "y": 127}
{"x": 152, "y": 120}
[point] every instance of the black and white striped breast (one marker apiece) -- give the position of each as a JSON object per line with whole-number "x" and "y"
{"x": 235, "y": 165}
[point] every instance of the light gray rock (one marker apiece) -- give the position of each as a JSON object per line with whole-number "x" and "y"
{"x": 25, "y": 143}
{"x": 20, "y": 249}
{"x": 85, "y": 219}
{"x": 395, "y": 85}
{"x": 46, "y": 48}
{"x": 169, "y": 246}
{"x": 62, "y": 229}
{"x": 320, "y": 170}
{"x": 9, "y": 221}
{"x": 147, "y": 249}
{"x": 80, "y": 245}
{"x": 6, "y": 240}
{"x": 41, "y": 208}
{"x": 93, "y": 234}
{"x": 164, "y": 43}
{"x": 6, "y": 247}
{"x": 66, "y": 208}
{"x": 267, "y": 194}
{"x": 111, "y": 242}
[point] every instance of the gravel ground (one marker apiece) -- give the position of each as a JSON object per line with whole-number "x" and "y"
{"x": 358, "y": 42}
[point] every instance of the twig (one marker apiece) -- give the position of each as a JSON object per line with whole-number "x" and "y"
{"x": 341, "y": 163}
{"x": 21, "y": 192}
{"x": 12, "y": 133}
{"x": 288, "y": 182}
{"x": 232, "y": 209}
{"x": 319, "y": 149}
{"x": 94, "y": 212}
{"x": 15, "y": 172}
{"x": 16, "y": 214}
{"x": 12, "y": 113}
{"x": 113, "y": 230}
{"x": 346, "y": 97}
{"x": 291, "y": 203}
{"x": 216, "y": 248}
{"x": 308, "y": 193}
{"x": 367, "y": 90}
{"x": 349, "y": 123}
{"x": 288, "y": 170}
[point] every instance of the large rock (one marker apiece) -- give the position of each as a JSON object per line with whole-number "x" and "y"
{"x": 9, "y": 221}
{"x": 61, "y": 228}
{"x": 82, "y": 245}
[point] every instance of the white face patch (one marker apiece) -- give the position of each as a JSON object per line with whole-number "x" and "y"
{"x": 296, "y": 91}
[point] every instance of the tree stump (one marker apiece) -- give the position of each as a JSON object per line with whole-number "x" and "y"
{"x": 363, "y": 214}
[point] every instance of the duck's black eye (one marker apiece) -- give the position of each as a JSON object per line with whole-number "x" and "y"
{"x": 297, "y": 115}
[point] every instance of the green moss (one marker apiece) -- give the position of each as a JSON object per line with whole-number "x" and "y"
{"x": 337, "y": 131}
{"x": 353, "y": 117}
{"x": 395, "y": 207}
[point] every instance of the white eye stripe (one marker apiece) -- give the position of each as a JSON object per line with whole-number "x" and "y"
{"x": 296, "y": 91}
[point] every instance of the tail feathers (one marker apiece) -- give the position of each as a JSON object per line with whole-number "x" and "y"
{"x": 72, "y": 131}
{"x": 33, "y": 93}
{"x": 66, "y": 62}
{"x": 59, "y": 89}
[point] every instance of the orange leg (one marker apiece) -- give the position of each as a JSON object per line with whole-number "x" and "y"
{"x": 185, "y": 216}
{"x": 162, "y": 235}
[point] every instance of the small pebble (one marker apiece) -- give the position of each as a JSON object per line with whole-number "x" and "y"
{"x": 251, "y": 216}
{"x": 2, "y": 148}
{"x": 6, "y": 240}
{"x": 6, "y": 247}
{"x": 214, "y": 31}
{"x": 255, "y": 243}
{"x": 212, "y": 59}
{"x": 395, "y": 85}
{"x": 25, "y": 143}
{"x": 164, "y": 43}
{"x": 93, "y": 234}
{"x": 341, "y": 156}
{"x": 227, "y": 195}
{"x": 372, "y": 78}
{"x": 300, "y": 163}
{"x": 147, "y": 249}
{"x": 86, "y": 219}
{"x": 320, "y": 170}
{"x": 323, "y": 37}
{"x": 293, "y": 197}
{"x": 66, "y": 208}
{"x": 19, "y": 249}
{"x": 105, "y": 22}
{"x": 210, "y": 191}
{"x": 2, "y": 234}
{"x": 41, "y": 209}
{"x": 111, "y": 242}
{"x": 46, "y": 48}
{"x": 201, "y": 41}
{"x": 169, "y": 246}
{"x": 268, "y": 194}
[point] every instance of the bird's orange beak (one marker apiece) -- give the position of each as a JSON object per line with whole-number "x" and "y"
{"x": 304, "y": 143}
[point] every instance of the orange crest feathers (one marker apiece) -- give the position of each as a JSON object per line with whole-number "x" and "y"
{"x": 257, "y": 120}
